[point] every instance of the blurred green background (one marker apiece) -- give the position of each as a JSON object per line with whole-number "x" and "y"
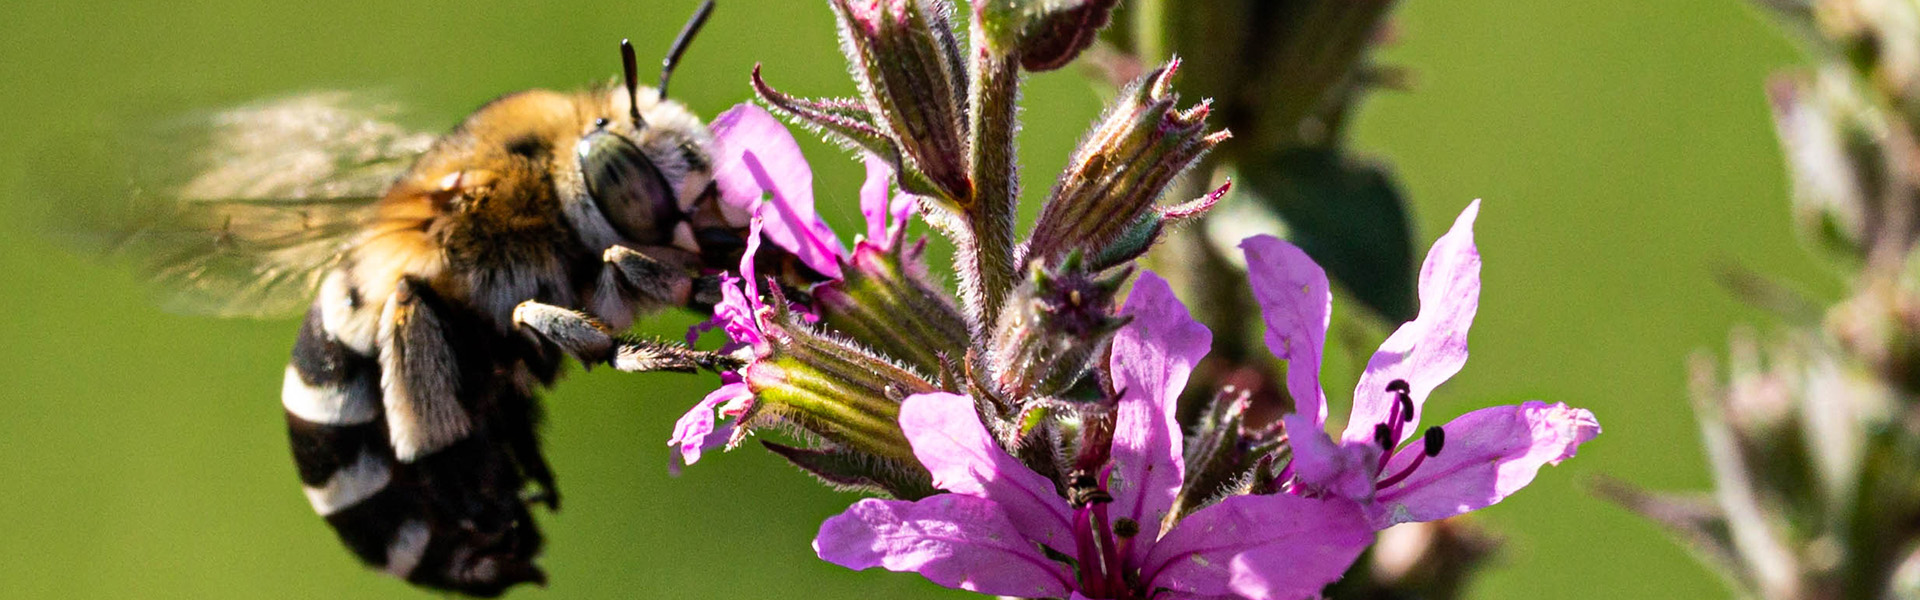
{"x": 1623, "y": 149}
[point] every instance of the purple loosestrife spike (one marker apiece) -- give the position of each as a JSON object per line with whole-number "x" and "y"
{"x": 908, "y": 68}
{"x": 849, "y": 122}
{"x": 1003, "y": 529}
{"x": 1121, "y": 169}
{"x": 1470, "y": 463}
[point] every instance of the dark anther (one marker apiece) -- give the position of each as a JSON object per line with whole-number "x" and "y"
{"x": 1435, "y": 438}
{"x": 1406, "y": 406}
{"x": 1383, "y": 435}
{"x": 1399, "y": 386}
{"x": 1124, "y": 528}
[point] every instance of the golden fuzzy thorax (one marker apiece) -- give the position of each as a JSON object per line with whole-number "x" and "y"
{"x": 495, "y": 212}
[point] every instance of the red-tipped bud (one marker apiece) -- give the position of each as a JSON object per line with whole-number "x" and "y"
{"x": 1104, "y": 202}
{"x": 913, "y": 86}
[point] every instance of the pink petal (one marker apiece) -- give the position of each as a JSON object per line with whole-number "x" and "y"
{"x": 873, "y": 198}
{"x": 1278, "y": 547}
{"x": 1431, "y": 348}
{"x": 1489, "y": 454}
{"x": 748, "y": 128}
{"x": 1328, "y": 467}
{"x": 901, "y": 209}
{"x": 950, "y": 442}
{"x": 753, "y": 157}
{"x": 953, "y": 540}
{"x": 791, "y": 221}
{"x": 1296, "y": 302}
{"x": 738, "y": 311}
{"x": 695, "y": 433}
{"x": 1152, "y": 358}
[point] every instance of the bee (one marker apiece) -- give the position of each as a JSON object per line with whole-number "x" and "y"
{"x": 410, "y": 398}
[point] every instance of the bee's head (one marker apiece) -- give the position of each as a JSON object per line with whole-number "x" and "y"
{"x": 643, "y": 162}
{"x": 628, "y": 186}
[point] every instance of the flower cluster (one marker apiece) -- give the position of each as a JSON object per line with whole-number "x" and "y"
{"x": 1025, "y": 428}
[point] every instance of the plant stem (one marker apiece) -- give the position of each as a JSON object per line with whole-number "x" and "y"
{"x": 986, "y": 259}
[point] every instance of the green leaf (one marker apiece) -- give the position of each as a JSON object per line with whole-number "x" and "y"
{"x": 1349, "y": 215}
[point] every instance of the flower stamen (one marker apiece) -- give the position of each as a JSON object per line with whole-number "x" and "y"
{"x": 1434, "y": 439}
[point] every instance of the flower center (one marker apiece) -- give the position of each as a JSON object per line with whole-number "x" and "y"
{"x": 1387, "y": 435}
{"x": 1101, "y": 547}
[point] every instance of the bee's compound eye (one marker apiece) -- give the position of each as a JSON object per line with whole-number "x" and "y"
{"x": 628, "y": 188}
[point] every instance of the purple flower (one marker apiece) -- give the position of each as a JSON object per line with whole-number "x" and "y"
{"x": 1003, "y": 529}
{"x": 1467, "y": 464}
{"x": 760, "y": 172}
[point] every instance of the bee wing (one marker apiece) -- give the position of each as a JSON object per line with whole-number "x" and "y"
{"x": 239, "y": 213}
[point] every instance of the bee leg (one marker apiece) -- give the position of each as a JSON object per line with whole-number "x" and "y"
{"x": 706, "y": 293}
{"x": 581, "y": 336}
{"x": 592, "y": 343}
{"x": 639, "y": 355}
{"x": 647, "y": 280}
{"x": 419, "y": 381}
{"x": 526, "y": 447}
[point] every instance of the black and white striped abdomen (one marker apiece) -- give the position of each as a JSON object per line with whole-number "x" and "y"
{"x": 409, "y": 446}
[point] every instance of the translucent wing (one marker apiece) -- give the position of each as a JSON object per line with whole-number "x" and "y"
{"x": 240, "y": 213}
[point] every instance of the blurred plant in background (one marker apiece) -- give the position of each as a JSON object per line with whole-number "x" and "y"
{"x": 1813, "y": 433}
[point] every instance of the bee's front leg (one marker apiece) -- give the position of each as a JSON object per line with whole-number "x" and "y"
{"x": 593, "y": 343}
{"x": 637, "y": 281}
{"x": 649, "y": 279}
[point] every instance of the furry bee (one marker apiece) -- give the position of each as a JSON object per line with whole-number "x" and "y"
{"x": 410, "y": 397}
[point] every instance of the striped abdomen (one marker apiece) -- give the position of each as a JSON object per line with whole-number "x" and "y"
{"x": 413, "y": 428}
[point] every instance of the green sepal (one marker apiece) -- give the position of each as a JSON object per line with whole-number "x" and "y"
{"x": 853, "y": 471}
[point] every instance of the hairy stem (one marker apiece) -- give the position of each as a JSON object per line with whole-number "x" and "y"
{"x": 986, "y": 258}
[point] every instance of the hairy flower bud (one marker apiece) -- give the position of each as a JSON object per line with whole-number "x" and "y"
{"x": 1045, "y": 34}
{"x": 828, "y": 387}
{"x": 1121, "y": 168}
{"x": 1053, "y": 328}
{"x": 886, "y": 302}
{"x": 908, "y": 66}
{"x": 1223, "y": 452}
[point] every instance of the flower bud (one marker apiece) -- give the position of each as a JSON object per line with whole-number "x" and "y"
{"x": 1226, "y": 457}
{"x": 1121, "y": 168}
{"x": 828, "y": 387}
{"x": 1147, "y": 230}
{"x": 885, "y": 301}
{"x": 1053, "y": 328}
{"x": 913, "y": 83}
{"x": 1045, "y": 34}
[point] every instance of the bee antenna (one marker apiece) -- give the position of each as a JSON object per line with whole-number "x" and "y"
{"x": 679, "y": 48}
{"x": 631, "y": 67}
